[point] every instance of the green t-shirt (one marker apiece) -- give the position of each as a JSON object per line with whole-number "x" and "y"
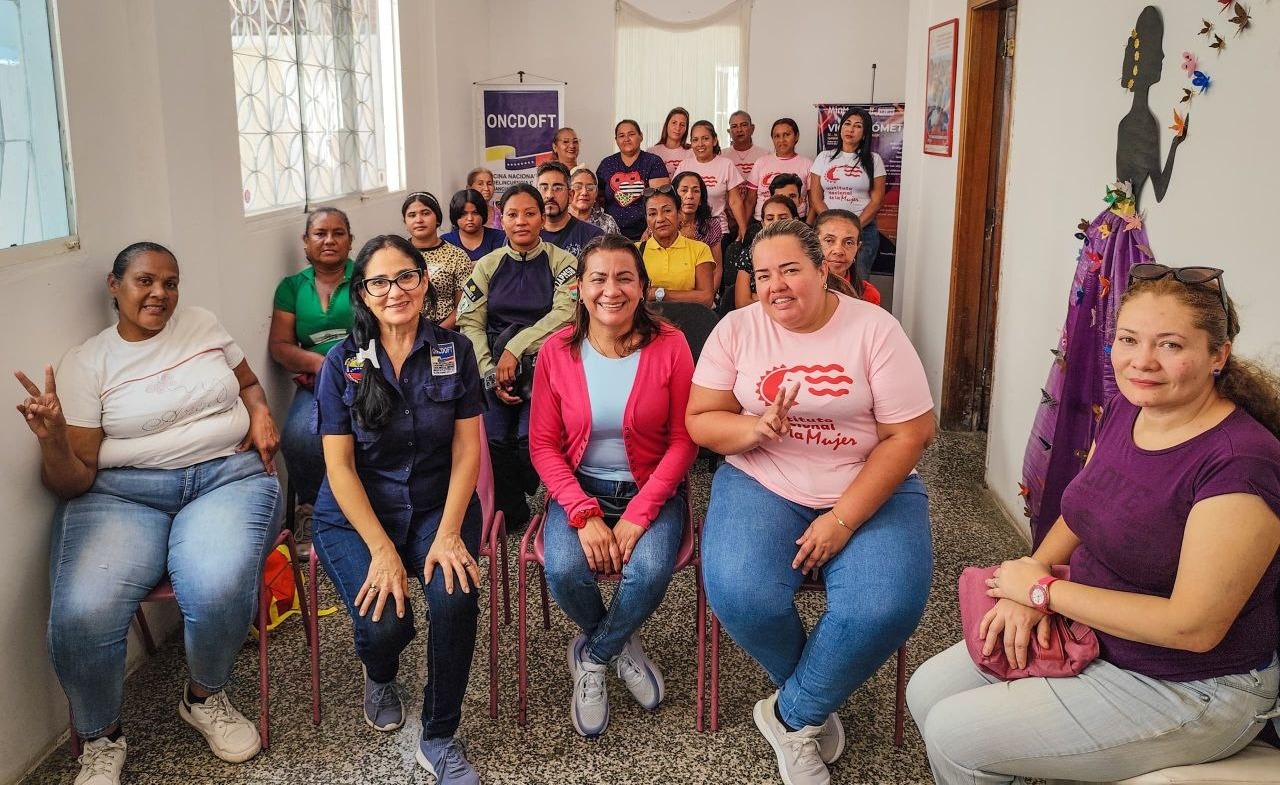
{"x": 317, "y": 330}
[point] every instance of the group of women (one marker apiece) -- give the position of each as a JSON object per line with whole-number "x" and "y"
{"x": 157, "y": 436}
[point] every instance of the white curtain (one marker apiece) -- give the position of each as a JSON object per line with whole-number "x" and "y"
{"x": 700, "y": 65}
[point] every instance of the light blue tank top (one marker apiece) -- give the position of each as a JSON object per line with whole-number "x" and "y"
{"x": 609, "y": 383}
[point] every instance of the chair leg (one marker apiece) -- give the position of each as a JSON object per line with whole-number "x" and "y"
{"x": 309, "y": 628}
{"x": 700, "y": 605}
{"x": 715, "y": 672}
{"x": 145, "y": 632}
{"x": 500, "y": 545}
{"x": 900, "y": 697}
{"x": 493, "y": 634}
{"x": 546, "y": 602}
{"x": 264, "y": 722}
{"x": 313, "y": 601}
{"x": 522, "y": 684}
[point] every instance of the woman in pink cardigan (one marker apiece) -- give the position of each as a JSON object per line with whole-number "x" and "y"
{"x": 607, "y": 436}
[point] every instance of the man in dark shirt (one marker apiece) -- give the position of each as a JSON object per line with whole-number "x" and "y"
{"x": 561, "y": 228}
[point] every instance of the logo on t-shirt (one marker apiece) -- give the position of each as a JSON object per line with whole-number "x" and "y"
{"x": 820, "y": 380}
{"x": 627, "y": 187}
{"x": 710, "y": 180}
{"x": 836, "y": 172}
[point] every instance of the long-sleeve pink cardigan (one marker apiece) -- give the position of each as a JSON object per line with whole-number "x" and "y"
{"x": 658, "y": 447}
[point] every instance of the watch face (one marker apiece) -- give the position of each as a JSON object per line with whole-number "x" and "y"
{"x": 1039, "y": 596}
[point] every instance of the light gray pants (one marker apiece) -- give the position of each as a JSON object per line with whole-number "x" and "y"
{"x": 1105, "y": 724}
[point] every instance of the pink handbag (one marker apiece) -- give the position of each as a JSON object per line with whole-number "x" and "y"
{"x": 1072, "y": 645}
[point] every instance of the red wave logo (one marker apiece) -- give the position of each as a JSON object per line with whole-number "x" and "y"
{"x": 847, "y": 171}
{"x": 820, "y": 380}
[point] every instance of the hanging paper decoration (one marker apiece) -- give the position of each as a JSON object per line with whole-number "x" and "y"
{"x": 1241, "y": 19}
{"x": 1208, "y": 27}
{"x": 1189, "y": 63}
{"x": 1218, "y": 44}
{"x": 1201, "y": 80}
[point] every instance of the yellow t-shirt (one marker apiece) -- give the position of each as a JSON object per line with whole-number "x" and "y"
{"x": 674, "y": 267}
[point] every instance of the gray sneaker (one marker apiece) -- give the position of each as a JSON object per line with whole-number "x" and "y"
{"x": 383, "y": 708}
{"x": 638, "y": 672}
{"x": 446, "y": 761}
{"x": 799, "y": 762}
{"x": 831, "y": 739}
{"x": 590, "y": 707}
{"x": 101, "y": 762}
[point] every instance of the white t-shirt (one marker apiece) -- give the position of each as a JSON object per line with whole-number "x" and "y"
{"x": 856, "y": 370}
{"x": 719, "y": 174}
{"x": 769, "y": 167}
{"x": 670, "y": 156}
{"x": 844, "y": 184}
{"x": 168, "y": 402}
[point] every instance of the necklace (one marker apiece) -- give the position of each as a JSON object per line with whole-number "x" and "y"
{"x": 612, "y": 353}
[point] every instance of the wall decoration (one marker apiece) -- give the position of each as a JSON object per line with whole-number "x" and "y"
{"x": 515, "y": 126}
{"x": 940, "y": 88}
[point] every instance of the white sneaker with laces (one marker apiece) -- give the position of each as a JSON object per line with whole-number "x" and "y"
{"x": 638, "y": 672}
{"x": 799, "y": 762}
{"x": 590, "y": 707}
{"x": 101, "y": 762}
{"x": 831, "y": 739}
{"x": 230, "y": 735}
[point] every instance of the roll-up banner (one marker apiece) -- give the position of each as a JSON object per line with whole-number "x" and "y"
{"x": 516, "y": 124}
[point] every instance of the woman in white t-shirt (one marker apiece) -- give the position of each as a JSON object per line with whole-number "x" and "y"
{"x": 718, "y": 173}
{"x": 839, "y": 179}
{"x": 822, "y": 408}
{"x": 158, "y": 438}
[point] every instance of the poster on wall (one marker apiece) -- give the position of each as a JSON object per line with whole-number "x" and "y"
{"x": 940, "y": 89}
{"x": 515, "y": 126}
{"x": 886, "y": 140}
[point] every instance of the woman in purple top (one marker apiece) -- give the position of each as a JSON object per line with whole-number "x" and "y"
{"x": 1171, "y": 531}
{"x": 624, "y": 175}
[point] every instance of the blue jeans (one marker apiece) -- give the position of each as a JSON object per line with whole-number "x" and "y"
{"x": 508, "y": 430}
{"x": 876, "y": 589}
{"x": 644, "y": 578}
{"x": 451, "y": 640}
{"x": 208, "y": 526}
{"x": 303, "y": 454}
{"x": 868, "y": 249}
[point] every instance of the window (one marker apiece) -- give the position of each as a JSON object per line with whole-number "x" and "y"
{"x": 317, "y": 99}
{"x": 699, "y": 65}
{"x": 34, "y": 199}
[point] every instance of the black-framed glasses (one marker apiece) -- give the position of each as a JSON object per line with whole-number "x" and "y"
{"x": 1150, "y": 271}
{"x": 662, "y": 189}
{"x": 407, "y": 281}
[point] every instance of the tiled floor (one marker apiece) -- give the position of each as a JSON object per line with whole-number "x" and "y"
{"x": 639, "y": 747}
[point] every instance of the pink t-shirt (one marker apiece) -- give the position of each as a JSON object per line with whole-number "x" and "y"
{"x": 744, "y": 159}
{"x": 719, "y": 174}
{"x": 857, "y": 370}
{"x": 769, "y": 167}
{"x": 670, "y": 157}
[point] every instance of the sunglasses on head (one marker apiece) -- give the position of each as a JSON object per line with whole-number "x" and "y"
{"x": 1189, "y": 275}
{"x": 662, "y": 189}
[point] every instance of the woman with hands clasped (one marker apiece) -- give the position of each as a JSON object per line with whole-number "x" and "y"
{"x": 399, "y": 406}
{"x": 822, "y": 408}
{"x": 1171, "y": 531}
{"x": 608, "y": 439}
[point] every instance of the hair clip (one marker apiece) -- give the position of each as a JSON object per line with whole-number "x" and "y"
{"x": 369, "y": 353}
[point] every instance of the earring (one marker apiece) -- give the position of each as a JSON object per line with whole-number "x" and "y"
{"x": 1217, "y": 372}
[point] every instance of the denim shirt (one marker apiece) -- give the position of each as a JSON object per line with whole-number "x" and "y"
{"x": 405, "y": 465}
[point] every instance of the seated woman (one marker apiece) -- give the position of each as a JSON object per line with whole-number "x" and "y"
{"x": 481, "y": 179}
{"x": 448, "y": 266}
{"x": 695, "y": 217}
{"x": 583, "y": 203}
{"x": 158, "y": 437}
{"x": 613, "y": 455}
{"x": 839, "y": 232}
{"x": 822, "y": 408}
{"x": 399, "y": 498}
{"x": 469, "y": 214}
{"x": 680, "y": 269}
{"x": 1171, "y": 530}
{"x": 516, "y": 297}
{"x": 776, "y": 208}
{"x": 720, "y": 177}
{"x": 310, "y": 314}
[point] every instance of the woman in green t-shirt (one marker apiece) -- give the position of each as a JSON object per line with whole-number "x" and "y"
{"x": 312, "y": 313}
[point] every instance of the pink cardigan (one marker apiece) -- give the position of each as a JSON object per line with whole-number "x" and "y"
{"x": 658, "y": 447}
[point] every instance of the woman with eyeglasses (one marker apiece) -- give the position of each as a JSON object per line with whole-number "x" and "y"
{"x": 469, "y": 214}
{"x": 680, "y": 269}
{"x": 625, "y": 175}
{"x": 1171, "y": 531}
{"x": 399, "y": 406}
{"x": 564, "y": 147}
{"x": 673, "y": 146}
{"x": 448, "y": 267}
{"x": 583, "y": 203}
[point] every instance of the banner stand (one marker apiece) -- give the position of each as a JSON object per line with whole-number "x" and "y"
{"x": 516, "y": 123}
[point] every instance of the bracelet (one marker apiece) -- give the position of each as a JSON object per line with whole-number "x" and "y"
{"x": 839, "y": 520}
{"x": 581, "y": 517}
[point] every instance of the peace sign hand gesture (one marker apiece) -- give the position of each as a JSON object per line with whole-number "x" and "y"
{"x": 41, "y": 409}
{"x": 772, "y": 424}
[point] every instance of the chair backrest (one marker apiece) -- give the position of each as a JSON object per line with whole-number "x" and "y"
{"x": 484, "y": 485}
{"x": 696, "y": 321}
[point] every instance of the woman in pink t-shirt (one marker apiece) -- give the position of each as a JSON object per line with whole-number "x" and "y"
{"x": 822, "y": 408}
{"x": 719, "y": 174}
{"x": 672, "y": 147}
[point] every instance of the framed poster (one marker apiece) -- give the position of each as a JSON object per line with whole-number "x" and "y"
{"x": 515, "y": 124}
{"x": 940, "y": 88}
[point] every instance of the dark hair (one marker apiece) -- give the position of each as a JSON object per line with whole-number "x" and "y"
{"x": 671, "y": 194}
{"x": 125, "y": 258}
{"x": 785, "y": 201}
{"x": 840, "y": 214}
{"x": 645, "y": 325}
{"x": 522, "y": 188}
{"x": 667, "y": 122}
{"x": 458, "y": 206}
{"x": 792, "y": 227}
{"x": 863, "y": 151}
{"x": 795, "y": 129}
{"x": 632, "y": 123}
{"x": 715, "y": 137}
{"x": 703, "y": 213}
{"x": 426, "y": 198}
{"x": 783, "y": 180}
{"x": 553, "y": 166}
{"x": 320, "y": 212}
{"x": 1244, "y": 382}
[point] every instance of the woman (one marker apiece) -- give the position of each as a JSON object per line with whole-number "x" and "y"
{"x": 719, "y": 176}
{"x": 310, "y": 314}
{"x": 776, "y": 208}
{"x": 1171, "y": 530}
{"x": 680, "y": 269}
{"x": 399, "y": 496}
{"x": 695, "y": 216}
{"x": 481, "y": 179}
{"x": 516, "y": 297}
{"x": 583, "y": 189}
{"x": 469, "y": 215}
{"x": 158, "y": 439}
{"x": 564, "y": 147}
{"x": 673, "y": 147}
{"x": 783, "y": 160}
{"x": 625, "y": 175}
{"x": 839, "y": 232}
{"x": 822, "y": 408}
{"x": 851, "y": 177}
{"x": 613, "y": 455}
{"x": 448, "y": 267}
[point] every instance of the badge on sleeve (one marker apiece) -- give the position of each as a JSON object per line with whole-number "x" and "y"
{"x": 353, "y": 368}
{"x": 444, "y": 360}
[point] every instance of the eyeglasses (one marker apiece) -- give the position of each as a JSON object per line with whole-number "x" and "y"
{"x": 555, "y": 188}
{"x": 567, "y": 141}
{"x": 662, "y": 189}
{"x": 588, "y": 187}
{"x": 1188, "y": 275}
{"x": 407, "y": 281}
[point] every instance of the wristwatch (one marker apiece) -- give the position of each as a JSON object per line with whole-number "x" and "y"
{"x": 659, "y": 294}
{"x": 1039, "y": 594}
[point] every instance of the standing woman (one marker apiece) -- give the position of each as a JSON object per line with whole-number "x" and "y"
{"x": 607, "y": 436}
{"x": 583, "y": 204}
{"x": 851, "y": 177}
{"x": 625, "y": 175}
{"x": 311, "y": 312}
{"x": 481, "y": 179}
{"x": 720, "y": 176}
{"x": 469, "y": 215}
{"x": 673, "y": 146}
{"x": 448, "y": 266}
{"x": 822, "y": 408}
{"x": 783, "y": 160}
{"x": 399, "y": 405}
{"x": 564, "y": 147}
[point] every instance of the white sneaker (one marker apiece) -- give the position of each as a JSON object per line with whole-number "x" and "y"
{"x": 101, "y": 762}
{"x": 638, "y": 672}
{"x": 799, "y": 762}
{"x": 230, "y": 735}
{"x": 831, "y": 739}
{"x": 590, "y": 707}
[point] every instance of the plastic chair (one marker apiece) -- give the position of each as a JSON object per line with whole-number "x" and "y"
{"x": 695, "y": 320}
{"x": 163, "y": 592}
{"x": 900, "y": 700}
{"x": 532, "y": 552}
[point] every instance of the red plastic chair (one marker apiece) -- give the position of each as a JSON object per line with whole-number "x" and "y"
{"x": 532, "y": 552}
{"x": 900, "y": 700}
{"x": 163, "y": 592}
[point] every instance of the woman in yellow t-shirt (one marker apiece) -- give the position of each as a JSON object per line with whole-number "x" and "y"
{"x": 680, "y": 268}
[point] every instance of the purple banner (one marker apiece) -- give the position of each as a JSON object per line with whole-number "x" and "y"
{"x": 517, "y": 128}
{"x": 886, "y": 140}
